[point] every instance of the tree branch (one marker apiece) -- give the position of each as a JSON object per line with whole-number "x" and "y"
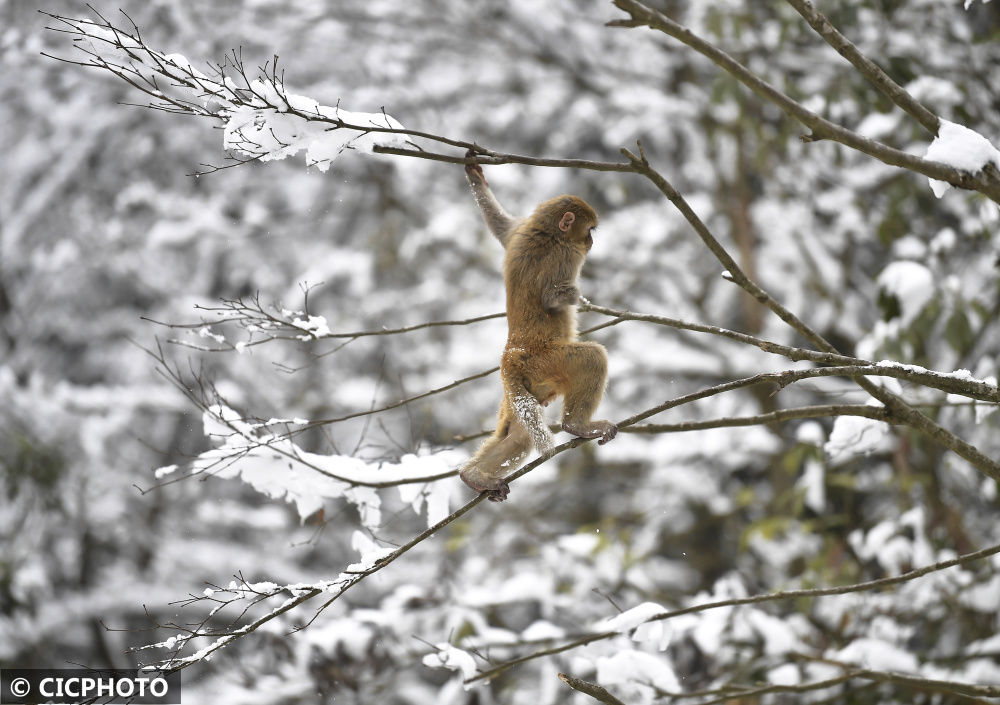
{"x": 402, "y": 402}
{"x": 821, "y": 128}
{"x": 792, "y": 353}
{"x": 865, "y": 66}
{"x": 931, "y": 684}
{"x": 595, "y": 691}
{"x": 493, "y": 157}
{"x": 754, "y": 599}
{"x": 843, "y": 365}
{"x": 899, "y": 409}
{"x": 730, "y": 695}
{"x": 254, "y": 315}
{"x": 806, "y": 412}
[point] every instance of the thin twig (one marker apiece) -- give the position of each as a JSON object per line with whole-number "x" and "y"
{"x": 931, "y": 684}
{"x": 595, "y": 691}
{"x": 792, "y": 353}
{"x": 748, "y": 694}
{"x": 806, "y": 412}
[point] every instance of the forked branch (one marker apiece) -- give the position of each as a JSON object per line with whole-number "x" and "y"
{"x": 865, "y": 66}
{"x": 986, "y": 181}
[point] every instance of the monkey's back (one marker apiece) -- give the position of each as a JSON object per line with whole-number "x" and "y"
{"x": 536, "y": 260}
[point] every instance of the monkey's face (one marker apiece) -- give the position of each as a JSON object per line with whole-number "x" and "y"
{"x": 585, "y": 224}
{"x": 582, "y": 232}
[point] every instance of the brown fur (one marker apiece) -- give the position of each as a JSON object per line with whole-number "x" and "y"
{"x": 542, "y": 358}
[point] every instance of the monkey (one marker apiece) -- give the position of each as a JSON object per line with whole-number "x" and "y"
{"x": 542, "y": 359}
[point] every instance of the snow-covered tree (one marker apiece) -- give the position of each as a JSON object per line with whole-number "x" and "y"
{"x": 235, "y": 398}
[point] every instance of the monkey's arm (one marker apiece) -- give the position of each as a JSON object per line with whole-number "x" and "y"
{"x": 559, "y": 294}
{"x": 499, "y": 221}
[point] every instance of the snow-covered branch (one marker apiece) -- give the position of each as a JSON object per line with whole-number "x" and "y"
{"x": 898, "y": 408}
{"x": 865, "y": 66}
{"x": 249, "y": 451}
{"x": 637, "y": 619}
{"x": 984, "y": 178}
{"x": 262, "y": 121}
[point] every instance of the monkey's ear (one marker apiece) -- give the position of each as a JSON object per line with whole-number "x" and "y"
{"x": 567, "y": 221}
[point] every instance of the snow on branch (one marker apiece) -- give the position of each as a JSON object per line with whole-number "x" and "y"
{"x": 263, "y": 455}
{"x": 727, "y": 596}
{"x": 986, "y": 181}
{"x": 256, "y": 442}
{"x": 244, "y": 597}
{"x": 262, "y": 121}
{"x": 896, "y": 406}
{"x": 265, "y": 458}
{"x": 258, "y": 324}
{"x": 962, "y": 148}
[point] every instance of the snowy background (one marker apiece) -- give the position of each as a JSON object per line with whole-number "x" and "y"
{"x": 117, "y": 511}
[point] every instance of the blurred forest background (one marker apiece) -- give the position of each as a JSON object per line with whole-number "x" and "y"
{"x": 104, "y": 231}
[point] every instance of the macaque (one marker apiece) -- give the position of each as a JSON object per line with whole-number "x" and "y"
{"x": 542, "y": 359}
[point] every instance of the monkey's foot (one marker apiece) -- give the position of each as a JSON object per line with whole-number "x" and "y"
{"x": 604, "y": 430}
{"x": 497, "y": 488}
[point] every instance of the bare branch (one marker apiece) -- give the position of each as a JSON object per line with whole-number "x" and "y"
{"x": 502, "y": 158}
{"x": 805, "y": 412}
{"x": 792, "y": 353}
{"x": 930, "y": 684}
{"x": 402, "y": 402}
{"x": 253, "y": 316}
{"x": 728, "y": 695}
{"x": 868, "y": 68}
{"x": 821, "y": 128}
{"x": 733, "y": 270}
{"x": 417, "y": 326}
{"x": 595, "y": 691}
{"x": 843, "y": 365}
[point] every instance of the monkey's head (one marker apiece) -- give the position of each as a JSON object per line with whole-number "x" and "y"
{"x": 569, "y": 217}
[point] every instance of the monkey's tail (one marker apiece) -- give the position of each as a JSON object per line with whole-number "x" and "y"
{"x": 529, "y": 412}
